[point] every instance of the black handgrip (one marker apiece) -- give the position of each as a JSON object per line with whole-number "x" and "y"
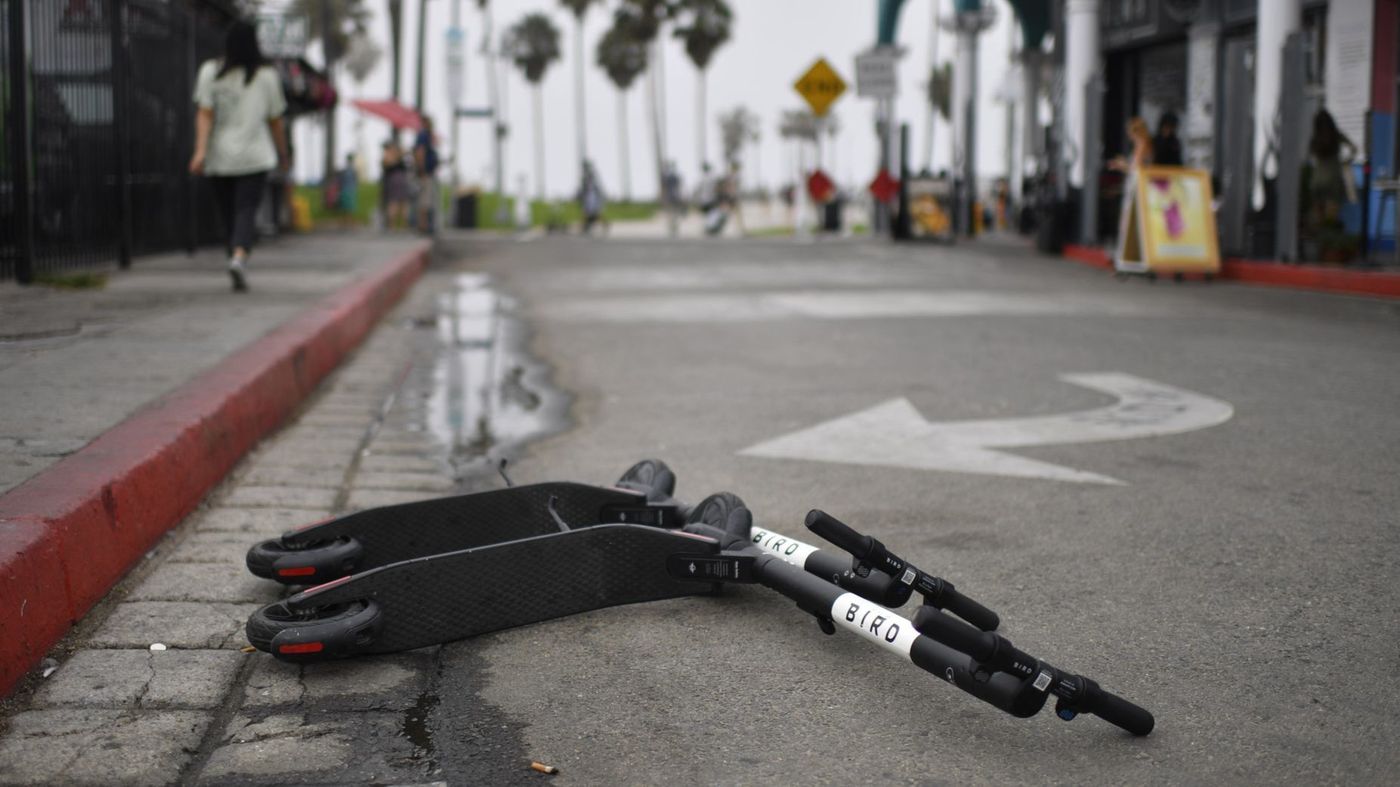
{"x": 1115, "y": 710}
{"x": 957, "y": 635}
{"x": 969, "y": 610}
{"x": 840, "y": 534}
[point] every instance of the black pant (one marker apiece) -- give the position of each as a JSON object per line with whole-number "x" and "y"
{"x": 238, "y": 197}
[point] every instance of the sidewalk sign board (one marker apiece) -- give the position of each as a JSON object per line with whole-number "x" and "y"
{"x": 820, "y": 86}
{"x": 875, "y": 73}
{"x": 1166, "y": 224}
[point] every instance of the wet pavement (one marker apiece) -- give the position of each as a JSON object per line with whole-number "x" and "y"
{"x": 1234, "y": 580}
{"x": 152, "y": 686}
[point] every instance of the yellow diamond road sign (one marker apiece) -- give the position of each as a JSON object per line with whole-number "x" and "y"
{"x": 821, "y": 85}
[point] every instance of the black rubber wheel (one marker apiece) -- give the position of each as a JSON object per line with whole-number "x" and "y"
{"x": 308, "y": 565}
{"x": 338, "y": 625}
{"x": 651, "y": 477}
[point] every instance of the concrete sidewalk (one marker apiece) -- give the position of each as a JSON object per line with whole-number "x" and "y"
{"x": 125, "y": 404}
{"x": 152, "y": 686}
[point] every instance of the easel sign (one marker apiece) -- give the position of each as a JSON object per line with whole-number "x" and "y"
{"x": 1167, "y": 225}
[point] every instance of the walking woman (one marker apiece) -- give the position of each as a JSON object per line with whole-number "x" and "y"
{"x": 239, "y": 138}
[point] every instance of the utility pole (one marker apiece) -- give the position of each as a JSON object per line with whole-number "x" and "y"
{"x": 422, "y": 36}
{"x": 454, "y": 86}
{"x": 395, "y": 36}
{"x": 328, "y": 54}
{"x": 971, "y": 21}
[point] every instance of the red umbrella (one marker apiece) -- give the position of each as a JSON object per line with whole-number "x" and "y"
{"x": 397, "y": 114}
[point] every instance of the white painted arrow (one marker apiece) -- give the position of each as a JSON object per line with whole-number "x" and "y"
{"x": 895, "y": 434}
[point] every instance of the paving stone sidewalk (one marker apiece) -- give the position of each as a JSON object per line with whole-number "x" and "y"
{"x": 75, "y": 363}
{"x": 117, "y": 711}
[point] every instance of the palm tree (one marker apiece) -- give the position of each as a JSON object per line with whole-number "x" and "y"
{"x": 706, "y": 28}
{"x": 327, "y": 22}
{"x": 533, "y": 44}
{"x": 579, "y": 8}
{"x": 940, "y": 89}
{"x": 624, "y": 58}
{"x": 647, "y": 17}
{"x": 737, "y": 128}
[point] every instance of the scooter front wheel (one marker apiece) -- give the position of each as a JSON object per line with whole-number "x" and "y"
{"x": 315, "y": 634}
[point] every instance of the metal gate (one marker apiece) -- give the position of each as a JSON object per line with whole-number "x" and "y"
{"x": 98, "y": 129}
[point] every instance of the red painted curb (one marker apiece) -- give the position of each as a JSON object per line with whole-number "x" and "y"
{"x": 1313, "y": 277}
{"x": 1318, "y": 278}
{"x": 70, "y": 533}
{"x": 1088, "y": 255}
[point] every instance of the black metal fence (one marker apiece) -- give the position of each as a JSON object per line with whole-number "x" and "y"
{"x": 98, "y": 128}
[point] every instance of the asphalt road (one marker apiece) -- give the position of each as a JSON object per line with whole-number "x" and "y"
{"x": 1240, "y": 580}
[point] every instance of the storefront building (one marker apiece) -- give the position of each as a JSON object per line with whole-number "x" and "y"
{"x": 1218, "y": 66}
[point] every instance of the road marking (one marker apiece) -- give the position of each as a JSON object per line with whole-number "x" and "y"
{"x": 895, "y": 434}
{"x": 829, "y": 305}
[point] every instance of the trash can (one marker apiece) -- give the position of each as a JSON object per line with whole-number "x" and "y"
{"x": 464, "y": 210}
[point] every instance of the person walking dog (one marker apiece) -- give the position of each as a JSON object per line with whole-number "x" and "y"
{"x": 239, "y": 138}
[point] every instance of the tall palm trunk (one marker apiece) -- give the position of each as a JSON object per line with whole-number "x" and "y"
{"x": 539, "y": 141}
{"x": 658, "y": 130}
{"x": 624, "y": 150}
{"x": 579, "y": 102}
{"x": 700, "y": 125}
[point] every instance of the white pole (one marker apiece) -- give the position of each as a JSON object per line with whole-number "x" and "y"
{"x": 799, "y": 216}
{"x": 1081, "y": 60}
{"x": 1277, "y": 19}
{"x": 455, "y": 136}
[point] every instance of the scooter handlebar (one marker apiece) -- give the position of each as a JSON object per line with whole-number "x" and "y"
{"x": 839, "y": 533}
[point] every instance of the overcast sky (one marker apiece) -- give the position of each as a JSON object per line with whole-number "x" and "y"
{"x": 772, "y": 44}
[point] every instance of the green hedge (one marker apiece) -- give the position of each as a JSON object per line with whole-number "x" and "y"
{"x": 541, "y": 212}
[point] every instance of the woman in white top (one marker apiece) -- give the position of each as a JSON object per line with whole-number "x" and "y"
{"x": 239, "y": 137}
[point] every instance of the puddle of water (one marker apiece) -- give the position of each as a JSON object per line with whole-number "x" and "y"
{"x": 415, "y": 727}
{"x": 487, "y": 393}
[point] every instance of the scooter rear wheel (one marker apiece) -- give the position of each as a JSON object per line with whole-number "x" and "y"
{"x": 309, "y": 565}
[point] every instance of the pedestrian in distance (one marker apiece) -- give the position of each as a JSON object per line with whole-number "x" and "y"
{"x": 732, "y": 198}
{"x": 425, "y": 166}
{"x": 590, "y": 199}
{"x": 394, "y": 184}
{"x": 671, "y": 197}
{"x": 1166, "y": 146}
{"x": 1330, "y": 153}
{"x": 1141, "y": 138}
{"x": 709, "y": 196}
{"x": 239, "y": 138}
{"x": 1142, "y": 155}
{"x": 348, "y": 186}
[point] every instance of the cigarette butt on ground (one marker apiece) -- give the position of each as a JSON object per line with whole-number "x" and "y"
{"x": 248, "y": 649}
{"x": 542, "y": 768}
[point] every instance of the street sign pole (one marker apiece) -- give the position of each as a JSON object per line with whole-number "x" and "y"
{"x": 876, "y": 77}
{"x": 820, "y": 86}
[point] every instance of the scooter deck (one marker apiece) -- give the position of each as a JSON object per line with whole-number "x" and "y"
{"x": 391, "y": 534}
{"x": 446, "y": 597}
